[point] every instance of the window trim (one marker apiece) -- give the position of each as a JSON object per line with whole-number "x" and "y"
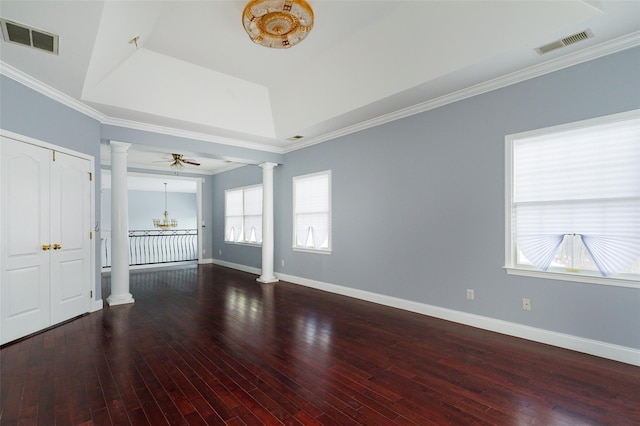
{"x": 224, "y": 237}
{"x": 510, "y": 265}
{"x": 294, "y": 246}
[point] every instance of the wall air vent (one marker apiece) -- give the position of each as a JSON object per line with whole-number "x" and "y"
{"x": 574, "y": 38}
{"x": 28, "y": 36}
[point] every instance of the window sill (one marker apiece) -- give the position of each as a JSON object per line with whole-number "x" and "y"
{"x": 308, "y": 250}
{"x": 567, "y": 276}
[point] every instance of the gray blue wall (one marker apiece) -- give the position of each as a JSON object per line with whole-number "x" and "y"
{"x": 144, "y": 206}
{"x": 418, "y": 205}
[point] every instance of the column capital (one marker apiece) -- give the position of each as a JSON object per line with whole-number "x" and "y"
{"x": 267, "y": 165}
{"x": 119, "y": 146}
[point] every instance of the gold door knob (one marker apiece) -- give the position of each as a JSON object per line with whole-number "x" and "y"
{"x": 57, "y": 246}
{"x": 46, "y": 247}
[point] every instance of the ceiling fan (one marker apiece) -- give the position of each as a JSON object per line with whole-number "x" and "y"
{"x": 178, "y": 161}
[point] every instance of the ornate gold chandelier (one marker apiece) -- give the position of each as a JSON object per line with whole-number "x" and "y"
{"x": 277, "y": 23}
{"x": 165, "y": 223}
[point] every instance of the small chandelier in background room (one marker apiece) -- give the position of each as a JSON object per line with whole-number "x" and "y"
{"x": 277, "y": 23}
{"x": 165, "y": 223}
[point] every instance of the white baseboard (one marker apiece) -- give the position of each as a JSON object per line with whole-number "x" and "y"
{"x": 97, "y": 305}
{"x": 237, "y": 266}
{"x": 205, "y": 261}
{"x": 579, "y": 344}
{"x": 592, "y": 347}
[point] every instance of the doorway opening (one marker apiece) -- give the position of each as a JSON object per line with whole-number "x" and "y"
{"x": 151, "y": 245}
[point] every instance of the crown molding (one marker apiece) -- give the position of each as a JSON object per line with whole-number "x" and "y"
{"x": 48, "y": 91}
{"x": 603, "y": 49}
{"x": 171, "y": 131}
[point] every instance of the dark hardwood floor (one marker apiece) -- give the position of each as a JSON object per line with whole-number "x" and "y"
{"x": 209, "y": 345}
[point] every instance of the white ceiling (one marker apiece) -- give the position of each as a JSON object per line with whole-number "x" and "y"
{"x": 195, "y": 69}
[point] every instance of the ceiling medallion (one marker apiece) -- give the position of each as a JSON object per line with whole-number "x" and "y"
{"x": 277, "y": 23}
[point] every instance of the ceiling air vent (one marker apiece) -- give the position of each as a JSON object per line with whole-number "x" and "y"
{"x": 564, "y": 42}
{"x": 28, "y": 36}
{"x": 295, "y": 138}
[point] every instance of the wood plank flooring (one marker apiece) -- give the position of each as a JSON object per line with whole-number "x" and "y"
{"x": 209, "y": 345}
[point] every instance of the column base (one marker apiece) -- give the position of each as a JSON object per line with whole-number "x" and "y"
{"x": 120, "y": 299}
{"x": 267, "y": 280}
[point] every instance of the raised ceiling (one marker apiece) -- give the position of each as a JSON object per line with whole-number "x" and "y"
{"x": 195, "y": 69}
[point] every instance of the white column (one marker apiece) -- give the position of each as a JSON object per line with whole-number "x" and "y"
{"x": 119, "y": 226}
{"x": 200, "y": 221}
{"x": 267, "y": 224}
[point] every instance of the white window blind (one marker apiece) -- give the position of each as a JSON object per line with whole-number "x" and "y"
{"x": 243, "y": 215}
{"x": 233, "y": 215}
{"x": 312, "y": 211}
{"x": 253, "y": 214}
{"x": 576, "y": 197}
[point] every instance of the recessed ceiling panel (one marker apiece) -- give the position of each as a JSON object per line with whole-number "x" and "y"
{"x": 161, "y": 85}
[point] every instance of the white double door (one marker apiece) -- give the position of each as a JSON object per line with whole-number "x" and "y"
{"x": 45, "y": 260}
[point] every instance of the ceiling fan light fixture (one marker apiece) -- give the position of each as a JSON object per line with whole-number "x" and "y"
{"x": 279, "y": 24}
{"x": 179, "y": 162}
{"x": 177, "y": 165}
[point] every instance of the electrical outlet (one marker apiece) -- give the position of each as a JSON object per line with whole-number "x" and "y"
{"x": 526, "y": 304}
{"x": 282, "y": 262}
{"x": 219, "y": 252}
{"x": 470, "y": 294}
{"x": 204, "y": 251}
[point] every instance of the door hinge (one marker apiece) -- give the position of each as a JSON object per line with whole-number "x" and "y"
{"x": 90, "y": 176}
{"x": 91, "y": 293}
{"x": 91, "y": 235}
{"x": 54, "y": 155}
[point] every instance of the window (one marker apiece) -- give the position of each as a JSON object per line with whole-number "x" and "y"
{"x": 312, "y": 212}
{"x": 243, "y": 215}
{"x": 573, "y": 201}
